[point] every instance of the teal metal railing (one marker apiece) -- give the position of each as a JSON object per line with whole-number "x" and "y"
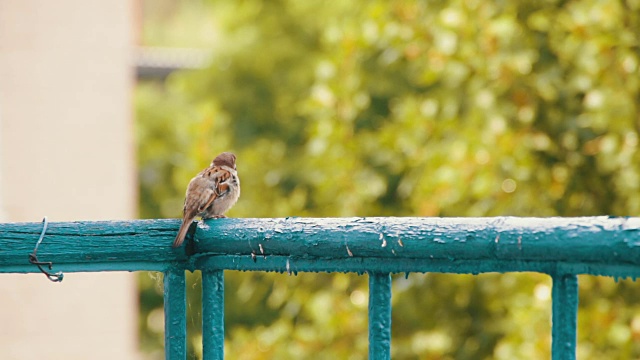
{"x": 560, "y": 247}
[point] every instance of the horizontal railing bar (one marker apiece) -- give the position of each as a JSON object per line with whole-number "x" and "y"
{"x": 587, "y": 245}
{"x": 91, "y": 245}
{"x": 594, "y": 240}
{"x": 92, "y": 267}
{"x": 284, "y": 264}
{"x": 353, "y": 265}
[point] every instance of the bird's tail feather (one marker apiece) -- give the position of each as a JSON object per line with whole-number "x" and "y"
{"x": 186, "y": 223}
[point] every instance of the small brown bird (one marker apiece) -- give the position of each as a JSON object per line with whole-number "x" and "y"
{"x": 210, "y": 193}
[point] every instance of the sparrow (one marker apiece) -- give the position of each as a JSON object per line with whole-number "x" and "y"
{"x": 210, "y": 193}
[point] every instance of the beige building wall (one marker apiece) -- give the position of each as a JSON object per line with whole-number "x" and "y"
{"x": 66, "y": 151}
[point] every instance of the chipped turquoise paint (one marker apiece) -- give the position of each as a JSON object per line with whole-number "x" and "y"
{"x": 565, "y": 316}
{"x": 560, "y": 247}
{"x": 175, "y": 314}
{"x": 92, "y": 246}
{"x": 213, "y": 314}
{"x": 379, "y": 316}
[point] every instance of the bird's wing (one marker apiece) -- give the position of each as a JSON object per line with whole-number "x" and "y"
{"x": 217, "y": 178}
{"x": 199, "y": 192}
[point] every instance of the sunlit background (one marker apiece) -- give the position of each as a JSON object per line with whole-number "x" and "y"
{"x": 368, "y": 108}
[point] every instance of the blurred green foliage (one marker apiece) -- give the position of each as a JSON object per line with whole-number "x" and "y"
{"x": 401, "y": 108}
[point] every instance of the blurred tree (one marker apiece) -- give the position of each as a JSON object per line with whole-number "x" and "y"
{"x": 405, "y": 108}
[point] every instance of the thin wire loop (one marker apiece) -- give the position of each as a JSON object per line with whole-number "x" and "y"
{"x": 33, "y": 257}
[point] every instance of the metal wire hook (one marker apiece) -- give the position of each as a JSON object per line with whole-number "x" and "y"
{"x": 33, "y": 258}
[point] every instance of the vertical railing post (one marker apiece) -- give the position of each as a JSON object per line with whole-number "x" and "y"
{"x": 379, "y": 316}
{"x": 213, "y": 314}
{"x": 564, "y": 316}
{"x": 175, "y": 314}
